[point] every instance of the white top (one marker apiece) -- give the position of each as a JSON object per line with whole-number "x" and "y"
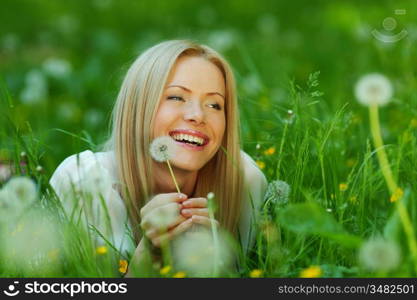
{"x": 94, "y": 176}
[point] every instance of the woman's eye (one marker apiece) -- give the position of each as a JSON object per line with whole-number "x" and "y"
{"x": 177, "y": 98}
{"x": 215, "y": 106}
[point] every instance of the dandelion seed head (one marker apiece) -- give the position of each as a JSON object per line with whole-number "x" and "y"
{"x": 196, "y": 252}
{"x": 32, "y": 242}
{"x": 57, "y": 67}
{"x": 373, "y": 89}
{"x": 21, "y": 188}
{"x": 278, "y": 192}
{"x": 162, "y": 148}
{"x": 379, "y": 254}
{"x": 36, "y": 88}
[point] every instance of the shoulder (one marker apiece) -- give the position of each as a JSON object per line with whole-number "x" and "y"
{"x": 86, "y": 164}
{"x": 254, "y": 178}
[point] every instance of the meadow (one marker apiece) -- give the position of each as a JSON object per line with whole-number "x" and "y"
{"x": 343, "y": 179}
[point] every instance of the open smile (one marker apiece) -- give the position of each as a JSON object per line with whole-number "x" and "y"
{"x": 191, "y": 139}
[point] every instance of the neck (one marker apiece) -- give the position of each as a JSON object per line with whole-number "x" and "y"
{"x": 164, "y": 183}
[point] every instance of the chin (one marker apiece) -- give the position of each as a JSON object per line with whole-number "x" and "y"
{"x": 191, "y": 167}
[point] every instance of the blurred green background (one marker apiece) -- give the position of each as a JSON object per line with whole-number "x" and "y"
{"x": 63, "y": 61}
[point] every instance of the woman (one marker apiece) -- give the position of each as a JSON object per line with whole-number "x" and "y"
{"x": 185, "y": 91}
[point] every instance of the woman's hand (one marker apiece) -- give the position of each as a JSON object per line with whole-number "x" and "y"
{"x": 168, "y": 215}
{"x": 196, "y": 209}
{"x": 161, "y": 218}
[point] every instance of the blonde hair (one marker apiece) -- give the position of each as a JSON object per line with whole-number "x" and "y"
{"x": 133, "y": 120}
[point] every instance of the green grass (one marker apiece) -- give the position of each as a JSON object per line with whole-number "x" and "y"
{"x": 307, "y": 64}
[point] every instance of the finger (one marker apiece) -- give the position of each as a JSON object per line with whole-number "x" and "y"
{"x": 162, "y": 217}
{"x": 195, "y": 202}
{"x": 188, "y": 212}
{"x": 154, "y": 232}
{"x": 174, "y": 232}
{"x": 162, "y": 199}
{"x": 204, "y": 220}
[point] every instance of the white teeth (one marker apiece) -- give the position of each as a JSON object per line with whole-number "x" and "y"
{"x": 190, "y": 138}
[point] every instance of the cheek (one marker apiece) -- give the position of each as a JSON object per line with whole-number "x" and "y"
{"x": 219, "y": 127}
{"x": 162, "y": 119}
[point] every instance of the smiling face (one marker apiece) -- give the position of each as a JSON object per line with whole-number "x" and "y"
{"x": 191, "y": 111}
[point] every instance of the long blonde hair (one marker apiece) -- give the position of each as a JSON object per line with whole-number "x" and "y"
{"x": 133, "y": 120}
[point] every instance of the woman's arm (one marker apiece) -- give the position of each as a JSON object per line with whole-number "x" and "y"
{"x": 255, "y": 188}
{"x": 85, "y": 185}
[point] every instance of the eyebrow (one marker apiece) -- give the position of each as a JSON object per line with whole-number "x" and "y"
{"x": 188, "y": 90}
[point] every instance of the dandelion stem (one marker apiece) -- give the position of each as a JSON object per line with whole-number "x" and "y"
{"x": 215, "y": 237}
{"x": 389, "y": 178}
{"x": 173, "y": 176}
{"x": 379, "y": 146}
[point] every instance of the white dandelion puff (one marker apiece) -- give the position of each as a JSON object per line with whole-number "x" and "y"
{"x": 379, "y": 254}
{"x": 373, "y": 89}
{"x": 56, "y": 67}
{"x": 194, "y": 252}
{"x": 210, "y": 196}
{"x": 22, "y": 188}
{"x": 162, "y": 148}
{"x": 36, "y": 87}
{"x": 30, "y": 242}
{"x": 278, "y": 192}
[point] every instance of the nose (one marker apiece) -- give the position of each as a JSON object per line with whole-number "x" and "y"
{"x": 194, "y": 113}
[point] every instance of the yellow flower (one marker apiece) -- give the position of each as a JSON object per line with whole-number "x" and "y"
{"x": 311, "y": 272}
{"x": 165, "y": 270}
{"x": 260, "y": 164}
{"x": 256, "y": 273}
{"x": 353, "y": 199}
{"x": 101, "y": 250}
{"x": 413, "y": 123}
{"x": 350, "y": 162}
{"x": 398, "y": 194}
{"x": 179, "y": 274}
{"x": 269, "y": 151}
{"x": 343, "y": 187}
{"x": 123, "y": 266}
